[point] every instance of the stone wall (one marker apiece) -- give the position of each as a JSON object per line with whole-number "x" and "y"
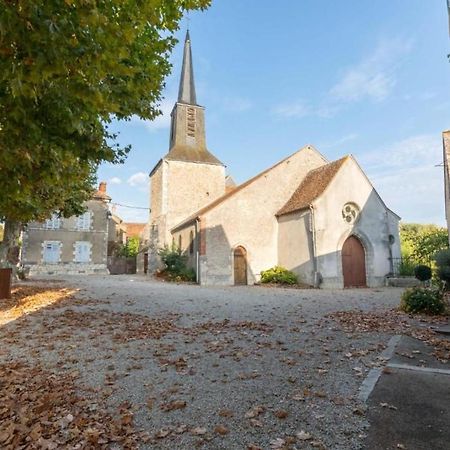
{"x": 373, "y": 227}
{"x": 68, "y": 234}
{"x": 247, "y": 219}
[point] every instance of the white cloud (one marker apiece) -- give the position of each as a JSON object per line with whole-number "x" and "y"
{"x": 115, "y": 180}
{"x": 138, "y": 179}
{"x": 406, "y": 176}
{"x": 297, "y": 109}
{"x": 374, "y": 77}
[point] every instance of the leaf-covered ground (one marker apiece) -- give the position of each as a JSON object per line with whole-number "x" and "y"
{"x": 123, "y": 362}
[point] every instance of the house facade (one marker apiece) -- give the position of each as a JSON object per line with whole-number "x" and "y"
{"x": 323, "y": 220}
{"x": 74, "y": 245}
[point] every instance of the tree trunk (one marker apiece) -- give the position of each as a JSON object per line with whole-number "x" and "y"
{"x": 11, "y": 236}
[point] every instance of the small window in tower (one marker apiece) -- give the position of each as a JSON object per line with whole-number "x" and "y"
{"x": 191, "y": 242}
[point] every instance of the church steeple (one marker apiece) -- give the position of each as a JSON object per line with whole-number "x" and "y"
{"x": 187, "y": 132}
{"x": 186, "y": 92}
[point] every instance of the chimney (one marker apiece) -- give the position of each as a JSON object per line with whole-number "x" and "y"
{"x": 102, "y": 187}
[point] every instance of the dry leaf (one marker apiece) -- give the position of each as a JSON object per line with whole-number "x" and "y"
{"x": 281, "y": 414}
{"x": 221, "y": 429}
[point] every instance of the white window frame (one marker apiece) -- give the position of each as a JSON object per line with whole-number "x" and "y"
{"x": 77, "y": 254}
{"x": 54, "y": 223}
{"x": 53, "y": 244}
{"x": 84, "y": 221}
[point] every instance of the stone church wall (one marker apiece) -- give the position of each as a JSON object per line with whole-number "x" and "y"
{"x": 247, "y": 219}
{"x": 295, "y": 250}
{"x": 373, "y": 227}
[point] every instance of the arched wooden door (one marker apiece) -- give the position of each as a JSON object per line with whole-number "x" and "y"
{"x": 240, "y": 265}
{"x": 354, "y": 263}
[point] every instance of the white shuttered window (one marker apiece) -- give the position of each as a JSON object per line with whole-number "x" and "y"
{"x": 54, "y": 223}
{"x": 51, "y": 252}
{"x": 84, "y": 221}
{"x": 82, "y": 251}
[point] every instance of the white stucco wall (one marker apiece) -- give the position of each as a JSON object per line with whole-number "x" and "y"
{"x": 373, "y": 227}
{"x": 295, "y": 251}
{"x": 247, "y": 219}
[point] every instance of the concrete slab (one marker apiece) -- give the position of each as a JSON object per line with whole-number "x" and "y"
{"x": 412, "y": 352}
{"x": 411, "y": 410}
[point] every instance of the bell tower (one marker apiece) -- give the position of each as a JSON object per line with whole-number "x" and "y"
{"x": 189, "y": 176}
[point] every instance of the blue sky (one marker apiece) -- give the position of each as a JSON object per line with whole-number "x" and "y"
{"x": 365, "y": 77}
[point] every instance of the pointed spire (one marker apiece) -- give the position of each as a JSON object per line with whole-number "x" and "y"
{"x": 186, "y": 93}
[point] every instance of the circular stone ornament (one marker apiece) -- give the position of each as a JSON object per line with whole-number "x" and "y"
{"x": 350, "y": 213}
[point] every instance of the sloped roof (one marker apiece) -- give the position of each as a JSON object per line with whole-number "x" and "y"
{"x": 312, "y": 187}
{"x": 192, "y": 154}
{"x": 239, "y": 188}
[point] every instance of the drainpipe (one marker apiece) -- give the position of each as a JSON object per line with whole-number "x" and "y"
{"x": 197, "y": 257}
{"x": 391, "y": 261}
{"x": 312, "y": 228}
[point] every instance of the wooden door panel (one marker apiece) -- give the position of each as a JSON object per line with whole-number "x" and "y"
{"x": 353, "y": 263}
{"x": 240, "y": 266}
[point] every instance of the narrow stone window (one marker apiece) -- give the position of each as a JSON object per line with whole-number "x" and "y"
{"x": 180, "y": 243}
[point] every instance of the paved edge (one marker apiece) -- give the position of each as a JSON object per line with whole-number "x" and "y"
{"x": 373, "y": 376}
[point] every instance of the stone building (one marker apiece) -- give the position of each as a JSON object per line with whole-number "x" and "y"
{"x": 323, "y": 220}
{"x": 78, "y": 244}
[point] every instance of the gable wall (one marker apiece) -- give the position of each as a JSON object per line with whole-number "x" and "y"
{"x": 373, "y": 227}
{"x": 248, "y": 219}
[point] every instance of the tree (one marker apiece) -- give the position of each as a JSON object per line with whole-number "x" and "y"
{"x": 67, "y": 69}
{"x": 421, "y": 242}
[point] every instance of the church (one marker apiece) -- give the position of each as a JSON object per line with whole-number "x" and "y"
{"x": 321, "y": 219}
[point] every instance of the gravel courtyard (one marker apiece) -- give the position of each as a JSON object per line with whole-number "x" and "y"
{"x": 124, "y": 361}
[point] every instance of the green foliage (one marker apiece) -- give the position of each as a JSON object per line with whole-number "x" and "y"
{"x": 406, "y": 267}
{"x": 278, "y": 274}
{"x": 131, "y": 248}
{"x": 422, "y": 300}
{"x": 419, "y": 242}
{"x": 422, "y": 272}
{"x": 442, "y": 259}
{"x": 67, "y": 69}
{"x": 175, "y": 264}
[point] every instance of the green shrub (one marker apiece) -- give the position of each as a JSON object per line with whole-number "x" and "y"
{"x": 278, "y": 274}
{"x": 175, "y": 264}
{"x": 422, "y": 272}
{"x": 442, "y": 259}
{"x": 422, "y": 300}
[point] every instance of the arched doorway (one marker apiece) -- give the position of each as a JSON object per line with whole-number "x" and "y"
{"x": 240, "y": 265}
{"x": 353, "y": 263}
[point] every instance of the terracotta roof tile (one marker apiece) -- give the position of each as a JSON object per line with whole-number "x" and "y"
{"x": 312, "y": 186}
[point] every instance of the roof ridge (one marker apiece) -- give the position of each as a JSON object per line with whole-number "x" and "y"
{"x": 241, "y": 186}
{"x": 312, "y": 186}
